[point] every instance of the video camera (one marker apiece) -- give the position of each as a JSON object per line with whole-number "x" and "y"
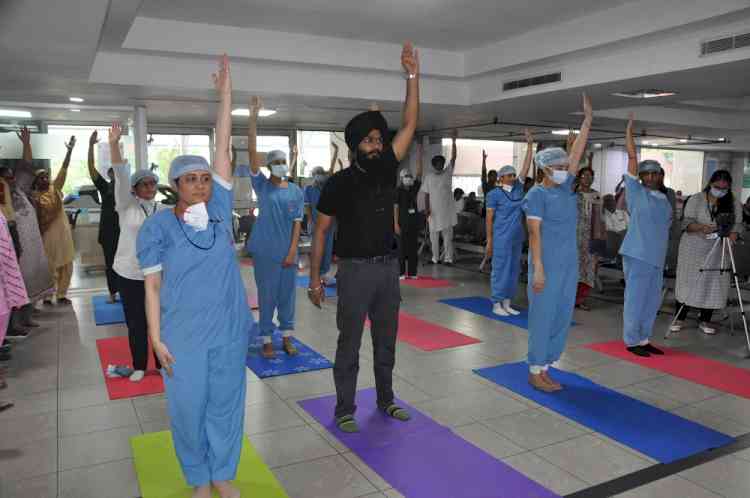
{"x": 724, "y": 223}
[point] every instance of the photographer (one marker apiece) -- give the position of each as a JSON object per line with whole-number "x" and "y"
{"x": 708, "y": 215}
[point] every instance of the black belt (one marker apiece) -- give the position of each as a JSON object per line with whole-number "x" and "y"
{"x": 373, "y": 259}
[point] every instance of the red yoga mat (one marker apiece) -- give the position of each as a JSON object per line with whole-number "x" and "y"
{"x": 252, "y": 301}
{"x": 709, "y": 373}
{"x": 116, "y": 351}
{"x": 427, "y": 283}
{"x": 428, "y": 336}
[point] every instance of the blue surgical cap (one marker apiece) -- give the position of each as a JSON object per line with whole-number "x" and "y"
{"x": 275, "y": 155}
{"x": 186, "y": 164}
{"x": 551, "y": 157}
{"x": 142, "y": 174}
{"x": 506, "y": 170}
{"x": 649, "y": 166}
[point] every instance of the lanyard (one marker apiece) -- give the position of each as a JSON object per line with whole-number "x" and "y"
{"x": 202, "y": 248}
{"x": 145, "y": 211}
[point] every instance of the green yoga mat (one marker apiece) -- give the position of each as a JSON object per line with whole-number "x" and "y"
{"x": 160, "y": 476}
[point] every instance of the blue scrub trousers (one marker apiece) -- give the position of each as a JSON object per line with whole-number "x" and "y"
{"x": 551, "y": 312}
{"x": 276, "y": 292}
{"x": 643, "y": 295}
{"x": 206, "y": 404}
{"x": 506, "y": 267}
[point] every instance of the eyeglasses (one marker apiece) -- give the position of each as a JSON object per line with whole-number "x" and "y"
{"x": 372, "y": 141}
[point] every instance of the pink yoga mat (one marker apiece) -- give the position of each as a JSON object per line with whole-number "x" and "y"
{"x": 428, "y": 336}
{"x": 709, "y": 373}
{"x": 427, "y": 283}
{"x": 116, "y": 351}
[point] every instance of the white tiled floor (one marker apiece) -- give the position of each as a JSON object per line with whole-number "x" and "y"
{"x": 65, "y": 438}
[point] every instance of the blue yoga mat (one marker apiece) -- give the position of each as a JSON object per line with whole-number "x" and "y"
{"x": 304, "y": 282}
{"x": 306, "y": 361}
{"x": 105, "y": 313}
{"x": 483, "y": 306}
{"x": 654, "y": 432}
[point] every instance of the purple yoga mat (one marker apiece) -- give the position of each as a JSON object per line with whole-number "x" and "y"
{"x": 421, "y": 458}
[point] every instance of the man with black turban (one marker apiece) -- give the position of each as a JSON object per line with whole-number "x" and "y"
{"x": 360, "y": 200}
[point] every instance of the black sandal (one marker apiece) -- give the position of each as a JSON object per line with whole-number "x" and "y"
{"x": 395, "y": 411}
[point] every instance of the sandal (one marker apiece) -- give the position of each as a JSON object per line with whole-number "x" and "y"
{"x": 268, "y": 353}
{"x": 347, "y": 424}
{"x": 4, "y": 405}
{"x": 395, "y": 411}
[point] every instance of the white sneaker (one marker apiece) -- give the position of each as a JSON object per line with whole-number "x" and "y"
{"x": 706, "y": 328}
{"x": 137, "y": 376}
{"x": 402, "y": 277}
{"x": 499, "y": 310}
{"x": 676, "y": 326}
{"x": 508, "y": 309}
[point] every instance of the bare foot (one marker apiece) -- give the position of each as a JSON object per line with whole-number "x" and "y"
{"x": 226, "y": 490}
{"x": 289, "y": 347}
{"x": 268, "y": 351}
{"x": 202, "y": 492}
{"x": 552, "y": 383}
{"x": 538, "y": 383}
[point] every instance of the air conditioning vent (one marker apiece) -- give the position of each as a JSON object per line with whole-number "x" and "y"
{"x": 532, "y": 81}
{"x": 726, "y": 43}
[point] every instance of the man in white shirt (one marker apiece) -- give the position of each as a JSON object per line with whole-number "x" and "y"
{"x": 440, "y": 206}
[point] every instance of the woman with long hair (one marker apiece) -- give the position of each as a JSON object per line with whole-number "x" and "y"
{"x": 706, "y": 291}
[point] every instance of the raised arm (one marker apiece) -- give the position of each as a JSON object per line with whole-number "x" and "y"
{"x": 121, "y": 169}
{"x": 293, "y": 162}
{"x": 410, "y": 63}
{"x": 454, "y": 150}
{"x": 630, "y": 147}
{"x": 62, "y": 175}
{"x": 579, "y": 147}
{"x": 484, "y": 168}
{"x": 25, "y": 137}
{"x": 252, "y": 135}
{"x": 529, "y": 155}
{"x": 334, "y": 158}
{"x": 419, "y": 161}
{"x": 93, "y": 173}
{"x": 223, "y": 84}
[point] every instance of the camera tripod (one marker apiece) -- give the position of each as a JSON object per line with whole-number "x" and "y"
{"x": 725, "y": 244}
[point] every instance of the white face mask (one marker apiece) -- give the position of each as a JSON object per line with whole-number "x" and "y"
{"x": 280, "y": 170}
{"x": 718, "y": 192}
{"x": 508, "y": 188}
{"x": 559, "y": 176}
{"x": 196, "y": 216}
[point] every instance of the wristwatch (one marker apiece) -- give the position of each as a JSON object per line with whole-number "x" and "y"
{"x": 410, "y": 76}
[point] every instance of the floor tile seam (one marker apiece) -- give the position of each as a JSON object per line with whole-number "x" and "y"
{"x": 526, "y": 450}
{"x": 59, "y": 406}
{"x": 280, "y": 429}
{"x": 742, "y": 424}
{"x": 64, "y": 436}
{"x": 100, "y": 464}
{"x": 310, "y": 460}
{"x": 700, "y": 485}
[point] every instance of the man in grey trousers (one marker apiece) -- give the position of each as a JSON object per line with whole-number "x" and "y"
{"x": 360, "y": 200}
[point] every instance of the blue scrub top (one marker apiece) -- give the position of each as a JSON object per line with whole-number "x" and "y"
{"x": 203, "y": 300}
{"x": 647, "y": 238}
{"x": 507, "y": 206}
{"x": 557, "y": 208}
{"x": 312, "y": 196}
{"x": 278, "y": 208}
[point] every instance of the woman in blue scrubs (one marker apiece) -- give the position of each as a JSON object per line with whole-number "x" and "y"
{"x": 198, "y": 318}
{"x": 312, "y": 196}
{"x": 274, "y": 239}
{"x": 643, "y": 250}
{"x": 551, "y": 214}
{"x": 505, "y": 232}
